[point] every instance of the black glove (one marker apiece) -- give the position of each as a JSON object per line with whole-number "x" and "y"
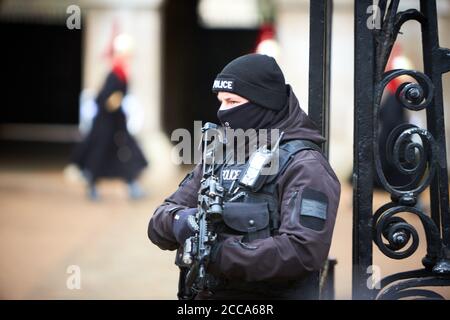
{"x": 184, "y": 225}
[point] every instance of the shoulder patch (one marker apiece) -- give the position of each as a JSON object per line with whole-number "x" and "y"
{"x": 313, "y": 209}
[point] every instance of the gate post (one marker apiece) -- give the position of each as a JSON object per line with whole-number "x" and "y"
{"x": 362, "y": 151}
{"x": 320, "y": 13}
{"x": 320, "y": 21}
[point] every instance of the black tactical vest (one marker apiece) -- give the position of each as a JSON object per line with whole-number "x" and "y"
{"x": 254, "y": 214}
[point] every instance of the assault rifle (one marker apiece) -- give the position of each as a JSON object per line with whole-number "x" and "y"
{"x": 197, "y": 249}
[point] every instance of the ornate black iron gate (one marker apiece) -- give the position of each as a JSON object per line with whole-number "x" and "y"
{"x": 424, "y": 160}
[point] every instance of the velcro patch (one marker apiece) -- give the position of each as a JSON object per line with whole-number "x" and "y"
{"x": 313, "y": 209}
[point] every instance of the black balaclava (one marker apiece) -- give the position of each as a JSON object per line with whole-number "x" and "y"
{"x": 250, "y": 115}
{"x": 246, "y": 116}
{"x": 256, "y": 77}
{"x": 259, "y": 79}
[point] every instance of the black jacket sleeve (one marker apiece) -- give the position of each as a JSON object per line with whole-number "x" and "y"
{"x": 160, "y": 226}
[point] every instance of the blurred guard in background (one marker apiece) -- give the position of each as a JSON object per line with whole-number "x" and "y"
{"x": 109, "y": 150}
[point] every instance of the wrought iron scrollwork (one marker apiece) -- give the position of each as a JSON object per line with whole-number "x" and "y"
{"x": 405, "y": 289}
{"x": 405, "y": 285}
{"x": 414, "y": 152}
{"x": 398, "y": 233}
{"x": 401, "y": 150}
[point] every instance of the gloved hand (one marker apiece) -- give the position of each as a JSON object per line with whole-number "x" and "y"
{"x": 184, "y": 225}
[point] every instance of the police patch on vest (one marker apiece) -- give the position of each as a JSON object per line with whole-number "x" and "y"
{"x": 230, "y": 174}
{"x": 313, "y": 209}
{"x": 223, "y": 84}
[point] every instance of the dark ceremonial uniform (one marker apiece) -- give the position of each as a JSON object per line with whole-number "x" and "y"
{"x": 109, "y": 150}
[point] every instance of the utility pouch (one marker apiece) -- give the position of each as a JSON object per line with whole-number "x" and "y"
{"x": 248, "y": 219}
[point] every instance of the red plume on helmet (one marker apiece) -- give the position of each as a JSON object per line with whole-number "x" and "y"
{"x": 117, "y": 61}
{"x": 266, "y": 42}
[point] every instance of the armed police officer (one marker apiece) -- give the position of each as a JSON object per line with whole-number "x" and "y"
{"x": 273, "y": 237}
